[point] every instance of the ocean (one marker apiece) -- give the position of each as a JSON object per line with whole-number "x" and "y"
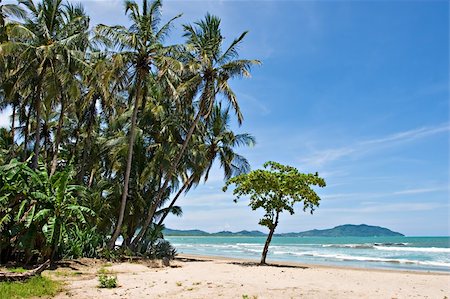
{"x": 400, "y": 253}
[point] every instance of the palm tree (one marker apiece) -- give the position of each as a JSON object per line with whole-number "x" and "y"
{"x": 209, "y": 70}
{"x": 50, "y": 43}
{"x": 140, "y": 45}
{"x": 220, "y": 141}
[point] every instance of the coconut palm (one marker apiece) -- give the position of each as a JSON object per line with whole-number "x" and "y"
{"x": 51, "y": 44}
{"x": 140, "y": 45}
{"x": 209, "y": 70}
{"x": 220, "y": 142}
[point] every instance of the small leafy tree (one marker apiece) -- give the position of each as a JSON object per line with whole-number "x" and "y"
{"x": 276, "y": 189}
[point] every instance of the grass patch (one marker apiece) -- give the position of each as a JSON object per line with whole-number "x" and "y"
{"x": 37, "y": 286}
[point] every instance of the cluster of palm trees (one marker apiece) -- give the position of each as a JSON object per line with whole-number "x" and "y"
{"x": 137, "y": 122}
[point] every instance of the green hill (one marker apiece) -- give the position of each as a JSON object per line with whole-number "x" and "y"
{"x": 347, "y": 230}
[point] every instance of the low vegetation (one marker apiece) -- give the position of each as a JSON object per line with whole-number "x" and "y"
{"x": 38, "y": 286}
{"x": 107, "y": 281}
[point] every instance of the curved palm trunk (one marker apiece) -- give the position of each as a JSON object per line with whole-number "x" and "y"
{"x": 123, "y": 203}
{"x": 269, "y": 239}
{"x": 185, "y": 185}
{"x": 152, "y": 210}
{"x": 177, "y": 160}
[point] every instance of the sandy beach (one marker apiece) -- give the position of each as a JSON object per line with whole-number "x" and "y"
{"x": 211, "y": 277}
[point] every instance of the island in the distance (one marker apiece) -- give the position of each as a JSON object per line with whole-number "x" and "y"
{"x": 346, "y": 230}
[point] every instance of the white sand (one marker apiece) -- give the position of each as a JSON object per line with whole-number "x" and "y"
{"x": 225, "y": 278}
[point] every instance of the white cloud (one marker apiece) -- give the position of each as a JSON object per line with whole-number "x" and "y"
{"x": 420, "y": 190}
{"x": 322, "y": 157}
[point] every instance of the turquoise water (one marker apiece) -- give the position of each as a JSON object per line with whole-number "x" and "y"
{"x": 405, "y": 253}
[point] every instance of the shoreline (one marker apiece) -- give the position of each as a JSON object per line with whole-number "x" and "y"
{"x": 276, "y": 263}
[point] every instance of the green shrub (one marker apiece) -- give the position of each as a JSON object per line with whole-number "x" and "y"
{"x": 107, "y": 281}
{"x": 163, "y": 249}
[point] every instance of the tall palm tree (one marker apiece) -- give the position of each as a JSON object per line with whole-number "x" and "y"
{"x": 140, "y": 45}
{"x": 50, "y": 42}
{"x": 209, "y": 70}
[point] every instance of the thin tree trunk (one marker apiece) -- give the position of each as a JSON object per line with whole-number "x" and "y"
{"x": 38, "y": 121}
{"x": 123, "y": 203}
{"x": 87, "y": 144}
{"x": 177, "y": 160}
{"x": 37, "y": 133}
{"x": 269, "y": 239}
{"x": 57, "y": 139}
{"x": 91, "y": 178}
{"x": 185, "y": 185}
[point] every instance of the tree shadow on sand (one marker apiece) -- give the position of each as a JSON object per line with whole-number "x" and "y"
{"x": 255, "y": 264}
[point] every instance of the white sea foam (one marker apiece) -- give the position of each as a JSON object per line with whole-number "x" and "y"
{"x": 344, "y": 257}
{"x": 415, "y": 249}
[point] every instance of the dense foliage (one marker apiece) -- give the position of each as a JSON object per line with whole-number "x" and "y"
{"x": 109, "y": 126}
{"x": 276, "y": 189}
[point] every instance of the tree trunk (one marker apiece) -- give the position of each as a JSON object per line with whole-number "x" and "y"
{"x": 38, "y": 119}
{"x": 9, "y": 276}
{"x": 37, "y": 131}
{"x": 26, "y": 135}
{"x": 172, "y": 169}
{"x": 87, "y": 143}
{"x": 57, "y": 139}
{"x": 185, "y": 185}
{"x": 177, "y": 160}
{"x": 269, "y": 239}
{"x": 123, "y": 203}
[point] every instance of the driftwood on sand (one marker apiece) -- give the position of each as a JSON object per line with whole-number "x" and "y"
{"x": 10, "y": 276}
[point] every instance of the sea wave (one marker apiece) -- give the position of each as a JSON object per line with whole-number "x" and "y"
{"x": 356, "y": 246}
{"x": 415, "y": 249}
{"x": 343, "y": 257}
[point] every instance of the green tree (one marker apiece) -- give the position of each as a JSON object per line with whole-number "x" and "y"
{"x": 209, "y": 71}
{"x": 141, "y": 45}
{"x": 49, "y": 50}
{"x": 275, "y": 189}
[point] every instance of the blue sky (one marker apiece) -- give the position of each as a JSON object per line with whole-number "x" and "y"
{"x": 356, "y": 90}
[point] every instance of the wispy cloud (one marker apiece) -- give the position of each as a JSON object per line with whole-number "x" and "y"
{"x": 420, "y": 190}
{"x": 394, "y": 207}
{"x": 359, "y": 148}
